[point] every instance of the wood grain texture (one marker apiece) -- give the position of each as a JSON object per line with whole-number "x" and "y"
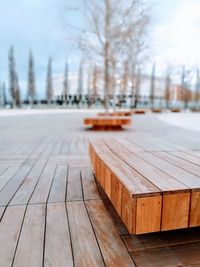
{"x": 148, "y": 215}
{"x": 13, "y": 185}
{"x": 58, "y": 250}
{"x": 41, "y": 192}
{"x": 83, "y": 238}
{"x": 59, "y": 185}
{"x": 175, "y": 211}
{"x": 30, "y": 248}
{"x": 9, "y": 233}
{"x": 113, "y": 250}
{"x": 74, "y": 189}
{"x": 90, "y": 190}
{"x": 194, "y": 219}
{"x": 25, "y": 191}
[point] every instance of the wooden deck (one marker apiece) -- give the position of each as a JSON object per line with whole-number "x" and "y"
{"x": 54, "y": 213}
{"x": 148, "y": 190}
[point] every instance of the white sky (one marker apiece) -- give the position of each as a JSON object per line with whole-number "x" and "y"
{"x": 38, "y": 24}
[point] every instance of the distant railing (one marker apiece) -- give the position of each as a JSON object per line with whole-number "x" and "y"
{"x": 119, "y": 101}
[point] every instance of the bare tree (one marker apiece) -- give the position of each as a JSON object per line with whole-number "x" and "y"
{"x": 31, "y": 79}
{"x": 113, "y": 81}
{"x": 186, "y": 78}
{"x": 17, "y": 93}
{"x": 110, "y": 28}
{"x": 66, "y": 82}
{"x": 4, "y": 96}
{"x": 197, "y": 88}
{"x": 95, "y": 78}
{"x": 125, "y": 78}
{"x": 137, "y": 87}
{"x": 152, "y": 86}
{"x": 137, "y": 52}
{"x": 49, "y": 85}
{"x": 1, "y": 95}
{"x": 80, "y": 79}
{"x": 168, "y": 84}
{"x": 13, "y": 79}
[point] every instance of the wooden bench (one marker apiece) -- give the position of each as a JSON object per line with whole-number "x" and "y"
{"x": 116, "y": 113}
{"x": 107, "y": 123}
{"x": 139, "y": 111}
{"x": 175, "y": 110}
{"x": 157, "y": 110}
{"x": 149, "y": 192}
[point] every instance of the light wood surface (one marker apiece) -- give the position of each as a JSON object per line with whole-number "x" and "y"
{"x": 107, "y": 122}
{"x": 171, "y": 204}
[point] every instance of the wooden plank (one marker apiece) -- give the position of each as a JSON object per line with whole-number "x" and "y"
{"x": 156, "y": 258}
{"x": 30, "y": 247}
{"x": 85, "y": 247}
{"x": 183, "y": 176}
{"x": 148, "y": 215}
{"x": 13, "y": 185}
{"x": 90, "y": 190}
{"x": 58, "y": 250}
{"x": 195, "y": 209}
{"x": 113, "y": 249}
{"x": 74, "y": 187}
{"x": 129, "y": 210}
{"x": 24, "y": 193}
{"x": 129, "y": 145}
{"x": 187, "y": 255}
{"x": 7, "y": 175}
{"x": 188, "y": 166}
{"x": 116, "y": 193}
{"x": 166, "y": 184}
{"x": 187, "y": 157}
{"x": 160, "y": 179}
{"x": 41, "y": 192}
{"x": 106, "y": 179}
{"x": 162, "y": 239}
{"x": 123, "y": 176}
{"x": 9, "y": 233}
{"x": 1, "y": 211}
{"x": 133, "y": 181}
{"x": 59, "y": 185}
{"x": 175, "y": 211}
{"x": 3, "y": 168}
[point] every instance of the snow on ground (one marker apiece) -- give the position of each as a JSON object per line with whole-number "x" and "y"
{"x": 190, "y": 121}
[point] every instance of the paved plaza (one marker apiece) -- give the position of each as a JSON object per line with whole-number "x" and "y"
{"x": 52, "y": 210}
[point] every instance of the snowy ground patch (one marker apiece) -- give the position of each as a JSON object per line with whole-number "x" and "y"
{"x": 190, "y": 121}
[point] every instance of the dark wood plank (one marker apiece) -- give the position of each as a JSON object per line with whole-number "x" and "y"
{"x": 90, "y": 190}
{"x": 58, "y": 250}
{"x": 162, "y": 239}
{"x": 30, "y": 247}
{"x": 169, "y": 256}
{"x": 85, "y": 247}
{"x": 111, "y": 245}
